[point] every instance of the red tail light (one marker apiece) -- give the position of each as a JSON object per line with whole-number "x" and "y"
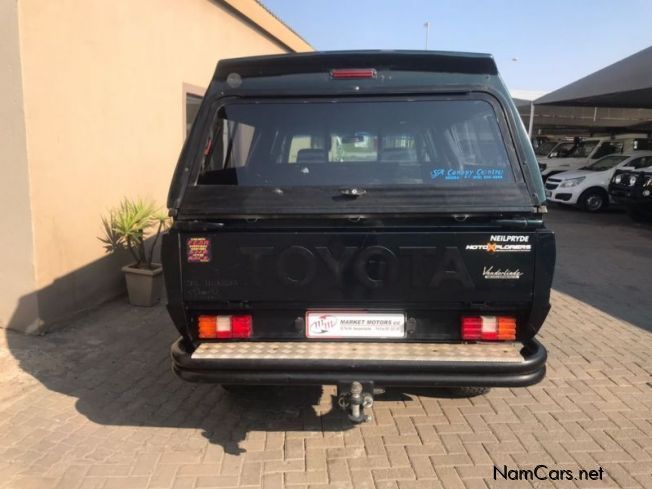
{"x": 489, "y": 328}
{"x": 241, "y": 326}
{"x": 353, "y": 73}
{"x": 223, "y": 327}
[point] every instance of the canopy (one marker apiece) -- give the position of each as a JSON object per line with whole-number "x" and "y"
{"x": 579, "y": 120}
{"x": 627, "y": 83}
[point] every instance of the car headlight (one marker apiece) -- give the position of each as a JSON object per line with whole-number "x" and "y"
{"x": 632, "y": 180}
{"x": 618, "y": 178}
{"x": 647, "y": 187}
{"x": 573, "y": 182}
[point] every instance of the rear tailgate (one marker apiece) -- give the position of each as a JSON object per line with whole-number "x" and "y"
{"x": 335, "y": 268}
{"x": 339, "y": 268}
{"x": 430, "y": 277}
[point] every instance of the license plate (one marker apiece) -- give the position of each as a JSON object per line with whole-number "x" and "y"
{"x": 330, "y": 324}
{"x": 548, "y": 193}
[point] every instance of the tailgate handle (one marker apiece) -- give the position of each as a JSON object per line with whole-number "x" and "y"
{"x": 353, "y": 192}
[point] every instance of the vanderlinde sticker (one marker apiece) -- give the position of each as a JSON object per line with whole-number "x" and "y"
{"x": 492, "y": 273}
{"x": 505, "y": 243}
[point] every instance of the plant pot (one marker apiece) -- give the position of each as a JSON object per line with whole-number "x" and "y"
{"x": 144, "y": 286}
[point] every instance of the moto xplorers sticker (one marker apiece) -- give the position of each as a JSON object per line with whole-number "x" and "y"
{"x": 503, "y": 243}
{"x": 198, "y": 250}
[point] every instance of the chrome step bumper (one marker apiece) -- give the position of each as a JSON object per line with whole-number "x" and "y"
{"x": 390, "y": 364}
{"x": 359, "y": 351}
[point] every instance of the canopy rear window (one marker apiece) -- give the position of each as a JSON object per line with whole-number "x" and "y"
{"x": 436, "y": 147}
{"x": 434, "y": 143}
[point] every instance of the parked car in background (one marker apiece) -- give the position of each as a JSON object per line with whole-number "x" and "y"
{"x": 586, "y": 151}
{"x": 588, "y": 186}
{"x": 631, "y": 186}
{"x": 582, "y": 153}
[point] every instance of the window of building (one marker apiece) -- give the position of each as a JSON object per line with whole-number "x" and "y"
{"x": 192, "y": 108}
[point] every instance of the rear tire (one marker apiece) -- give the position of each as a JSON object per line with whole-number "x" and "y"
{"x": 593, "y": 200}
{"x": 458, "y": 392}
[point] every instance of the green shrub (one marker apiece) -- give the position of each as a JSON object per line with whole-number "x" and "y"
{"x": 129, "y": 225}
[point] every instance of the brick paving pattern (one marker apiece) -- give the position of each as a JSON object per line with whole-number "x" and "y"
{"x": 96, "y": 405}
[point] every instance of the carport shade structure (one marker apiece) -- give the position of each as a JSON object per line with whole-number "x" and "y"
{"x": 627, "y": 84}
{"x": 519, "y": 102}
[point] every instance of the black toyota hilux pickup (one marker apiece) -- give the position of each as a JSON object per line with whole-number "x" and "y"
{"x": 358, "y": 218}
{"x": 632, "y": 188}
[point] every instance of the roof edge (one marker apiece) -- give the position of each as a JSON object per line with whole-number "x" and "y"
{"x": 322, "y": 61}
{"x": 265, "y": 19}
{"x": 553, "y": 98}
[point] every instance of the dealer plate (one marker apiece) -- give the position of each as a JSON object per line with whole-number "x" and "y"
{"x": 354, "y": 324}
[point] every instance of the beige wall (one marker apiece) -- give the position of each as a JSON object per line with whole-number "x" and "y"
{"x": 17, "y": 281}
{"x": 103, "y": 86}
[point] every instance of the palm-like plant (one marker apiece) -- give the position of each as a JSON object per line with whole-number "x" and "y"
{"x": 129, "y": 225}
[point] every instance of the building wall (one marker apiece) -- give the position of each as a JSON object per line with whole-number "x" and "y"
{"x": 17, "y": 280}
{"x": 104, "y": 97}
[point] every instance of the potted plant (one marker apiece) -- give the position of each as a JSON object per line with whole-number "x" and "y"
{"x": 135, "y": 226}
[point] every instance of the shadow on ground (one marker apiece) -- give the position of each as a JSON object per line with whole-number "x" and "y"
{"x": 604, "y": 260}
{"x": 115, "y": 361}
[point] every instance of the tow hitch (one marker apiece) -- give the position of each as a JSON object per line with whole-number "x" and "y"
{"x": 354, "y": 398}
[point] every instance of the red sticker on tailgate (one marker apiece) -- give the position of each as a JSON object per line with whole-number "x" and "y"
{"x": 198, "y": 250}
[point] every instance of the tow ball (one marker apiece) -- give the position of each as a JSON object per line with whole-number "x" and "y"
{"x": 354, "y": 398}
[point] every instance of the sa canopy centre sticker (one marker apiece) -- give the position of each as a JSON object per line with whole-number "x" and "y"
{"x": 471, "y": 174}
{"x": 198, "y": 250}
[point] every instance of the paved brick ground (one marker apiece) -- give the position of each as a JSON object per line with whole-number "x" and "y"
{"x": 96, "y": 405}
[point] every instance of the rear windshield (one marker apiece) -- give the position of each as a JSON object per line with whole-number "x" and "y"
{"x": 433, "y": 143}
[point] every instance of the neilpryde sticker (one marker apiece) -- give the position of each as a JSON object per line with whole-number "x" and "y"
{"x": 492, "y": 273}
{"x": 475, "y": 174}
{"x": 495, "y": 244}
{"x": 198, "y": 250}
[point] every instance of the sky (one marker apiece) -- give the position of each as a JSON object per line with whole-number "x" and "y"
{"x": 539, "y": 46}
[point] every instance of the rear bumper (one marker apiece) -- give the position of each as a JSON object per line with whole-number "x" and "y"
{"x": 473, "y": 371}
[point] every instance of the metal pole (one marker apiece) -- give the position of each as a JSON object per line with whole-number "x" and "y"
{"x": 427, "y": 26}
{"x": 531, "y": 123}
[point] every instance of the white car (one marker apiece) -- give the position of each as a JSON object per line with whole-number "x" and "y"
{"x": 582, "y": 154}
{"x": 587, "y": 187}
